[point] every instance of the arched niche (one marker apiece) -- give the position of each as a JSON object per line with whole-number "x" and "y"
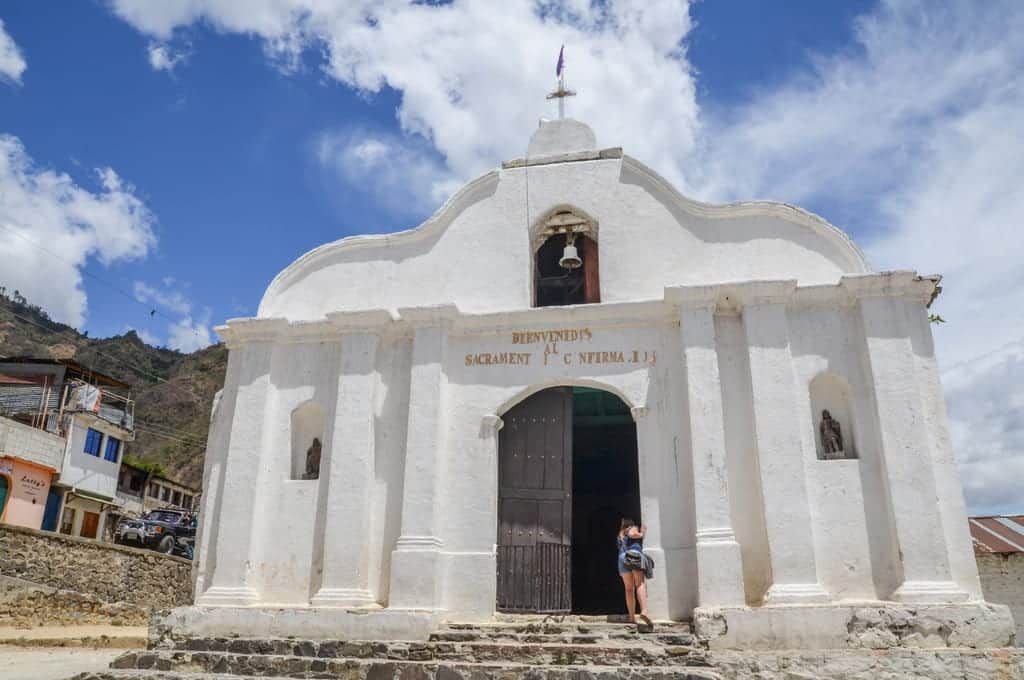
{"x": 830, "y": 394}
{"x": 553, "y": 284}
{"x": 307, "y": 440}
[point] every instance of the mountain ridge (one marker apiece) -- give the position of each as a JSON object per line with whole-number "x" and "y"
{"x": 173, "y": 391}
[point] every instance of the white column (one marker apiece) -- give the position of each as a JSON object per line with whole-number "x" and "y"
{"x": 490, "y": 427}
{"x": 213, "y": 476}
{"x": 346, "y": 479}
{"x": 416, "y": 560}
{"x": 719, "y": 565}
{"x": 231, "y": 582}
{"x": 780, "y": 453}
{"x": 907, "y": 460}
{"x": 948, "y": 487}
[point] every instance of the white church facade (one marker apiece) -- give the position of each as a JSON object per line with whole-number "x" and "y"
{"x": 449, "y": 422}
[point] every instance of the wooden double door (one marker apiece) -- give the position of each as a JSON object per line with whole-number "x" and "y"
{"x": 535, "y": 504}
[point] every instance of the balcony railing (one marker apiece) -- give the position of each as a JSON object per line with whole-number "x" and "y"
{"x": 44, "y": 406}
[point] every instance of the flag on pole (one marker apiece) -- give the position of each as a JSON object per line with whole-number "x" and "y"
{"x": 561, "y": 62}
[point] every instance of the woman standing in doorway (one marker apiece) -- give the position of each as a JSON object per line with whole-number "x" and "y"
{"x": 631, "y": 537}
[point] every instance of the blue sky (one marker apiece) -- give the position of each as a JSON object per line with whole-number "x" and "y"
{"x": 175, "y": 156}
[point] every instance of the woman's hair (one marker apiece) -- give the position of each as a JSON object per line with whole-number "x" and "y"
{"x": 627, "y": 523}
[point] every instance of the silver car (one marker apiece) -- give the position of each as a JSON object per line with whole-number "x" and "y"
{"x": 130, "y": 532}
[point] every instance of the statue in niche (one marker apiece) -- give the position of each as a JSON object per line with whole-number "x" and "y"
{"x": 831, "y": 436}
{"x": 313, "y": 461}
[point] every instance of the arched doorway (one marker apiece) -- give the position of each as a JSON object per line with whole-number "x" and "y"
{"x": 567, "y": 474}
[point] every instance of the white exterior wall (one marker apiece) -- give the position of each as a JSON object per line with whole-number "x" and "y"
{"x": 848, "y": 529}
{"x": 80, "y": 470}
{"x": 733, "y": 312}
{"x": 854, "y": 557}
{"x": 658, "y": 239}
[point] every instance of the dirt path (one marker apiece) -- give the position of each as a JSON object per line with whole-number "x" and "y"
{"x": 46, "y": 663}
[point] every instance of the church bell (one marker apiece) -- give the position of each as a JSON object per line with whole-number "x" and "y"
{"x": 570, "y": 258}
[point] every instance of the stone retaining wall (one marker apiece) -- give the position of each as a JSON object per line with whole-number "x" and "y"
{"x": 26, "y": 605}
{"x": 1002, "y": 581}
{"x": 110, "y": 573}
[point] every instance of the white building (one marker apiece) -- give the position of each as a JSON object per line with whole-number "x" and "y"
{"x": 485, "y": 417}
{"x": 86, "y": 420}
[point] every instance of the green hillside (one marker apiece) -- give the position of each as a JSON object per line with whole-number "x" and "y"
{"x": 173, "y": 392}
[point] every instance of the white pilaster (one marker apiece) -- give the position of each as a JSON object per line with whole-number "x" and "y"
{"x": 719, "y": 564}
{"x": 347, "y": 478}
{"x": 416, "y": 560}
{"x": 231, "y": 583}
{"x": 780, "y": 452}
{"x": 908, "y": 464}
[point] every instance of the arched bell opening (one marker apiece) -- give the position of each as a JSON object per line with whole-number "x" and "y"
{"x": 566, "y": 267}
{"x": 567, "y": 475}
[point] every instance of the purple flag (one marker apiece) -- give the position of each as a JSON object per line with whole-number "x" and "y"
{"x": 561, "y": 62}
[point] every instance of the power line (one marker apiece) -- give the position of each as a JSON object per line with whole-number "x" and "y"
{"x": 156, "y": 430}
{"x": 119, "y": 360}
{"x": 164, "y": 429}
{"x": 171, "y": 437}
{"x": 152, "y": 310}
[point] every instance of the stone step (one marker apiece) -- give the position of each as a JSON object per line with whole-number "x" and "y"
{"x": 333, "y": 648}
{"x": 579, "y": 626}
{"x": 658, "y": 635}
{"x": 375, "y": 669}
{"x": 309, "y": 660}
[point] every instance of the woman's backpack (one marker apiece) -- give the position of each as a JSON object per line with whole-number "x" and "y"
{"x": 634, "y": 559}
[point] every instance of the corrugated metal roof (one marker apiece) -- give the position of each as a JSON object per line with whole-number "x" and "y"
{"x": 999, "y": 534}
{"x": 85, "y": 372}
{"x": 22, "y": 379}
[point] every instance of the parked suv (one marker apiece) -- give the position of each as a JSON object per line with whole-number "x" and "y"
{"x": 167, "y": 530}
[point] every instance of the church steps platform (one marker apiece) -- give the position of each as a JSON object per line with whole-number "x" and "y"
{"x": 220, "y": 666}
{"x": 839, "y": 664}
{"x": 310, "y": 658}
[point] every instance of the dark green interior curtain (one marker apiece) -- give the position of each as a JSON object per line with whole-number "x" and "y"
{"x": 3, "y": 494}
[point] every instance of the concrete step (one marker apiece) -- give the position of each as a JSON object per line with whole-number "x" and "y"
{"x": 327, "y": 657}
{"x": 375, "y": 669}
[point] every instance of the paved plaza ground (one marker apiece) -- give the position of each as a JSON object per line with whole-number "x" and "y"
{"x": 58, "y": 652}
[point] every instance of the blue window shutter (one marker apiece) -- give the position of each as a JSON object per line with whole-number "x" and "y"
{"x": 113, "y": 446}
{"x": 92, "y": 442}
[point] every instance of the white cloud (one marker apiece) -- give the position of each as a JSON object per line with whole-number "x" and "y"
{"x": 50, "y": 226}
{"x": 166, "y": 57}
{"x": 185, "y": 334}
{"x": 915, "y": 137}
{"x": 911, "y": 136}
{"x": 404, "y": 176}
{"x": 168, "y": 298}
{"x": 473, "y": 74}
{"x": 147, "y": 337}
{"x": 189, "y": 335}
{"x": 12, "y": 63}
{"x": 987, "y": 406}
